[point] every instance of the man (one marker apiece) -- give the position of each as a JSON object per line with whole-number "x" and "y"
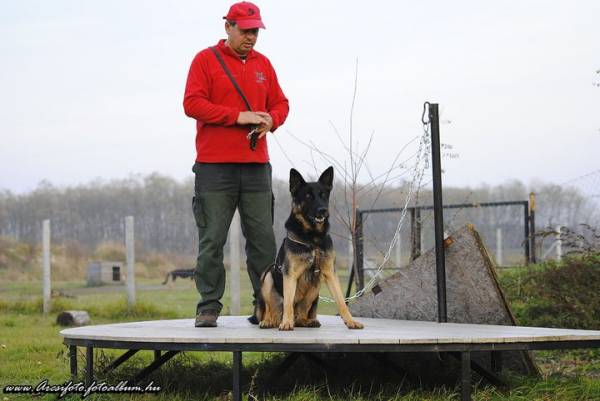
{"x": 229, "y": 174}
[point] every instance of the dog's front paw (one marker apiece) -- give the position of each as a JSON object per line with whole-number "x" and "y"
{"x": 267, "y": 324}
{"x": 313, "y": 323}
{"x": 286, "y": 326}
{"x": 353, "y": 324}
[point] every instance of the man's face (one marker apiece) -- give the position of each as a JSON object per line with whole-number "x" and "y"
{"x": 240, "y": 40}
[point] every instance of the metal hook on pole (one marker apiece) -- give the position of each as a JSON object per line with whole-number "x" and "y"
{"x": 425, "y": 107}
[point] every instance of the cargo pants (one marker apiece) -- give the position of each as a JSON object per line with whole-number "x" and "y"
{"x": 219, "y": 189}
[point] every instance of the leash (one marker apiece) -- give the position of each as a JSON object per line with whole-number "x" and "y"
{"x": 253, "y": 134}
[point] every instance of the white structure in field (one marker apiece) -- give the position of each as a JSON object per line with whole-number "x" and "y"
{"x": 101, "y": 273}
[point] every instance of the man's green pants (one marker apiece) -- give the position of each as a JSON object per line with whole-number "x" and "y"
{"x": 220, "y": 188}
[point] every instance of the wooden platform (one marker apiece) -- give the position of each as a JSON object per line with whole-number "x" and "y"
{"x": 237, "y": 330}
{"x": 236, "y": 334}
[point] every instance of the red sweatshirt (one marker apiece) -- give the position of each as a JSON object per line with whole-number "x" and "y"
{"x": 212, "y": 100}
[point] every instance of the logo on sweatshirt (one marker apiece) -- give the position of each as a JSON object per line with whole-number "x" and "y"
{"x": 260, "y": 77}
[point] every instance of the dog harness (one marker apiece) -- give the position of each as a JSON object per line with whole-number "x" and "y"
{"x": 316, "y": 251}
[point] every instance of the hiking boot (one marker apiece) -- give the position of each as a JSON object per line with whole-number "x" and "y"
{"x": 207, "y": 318}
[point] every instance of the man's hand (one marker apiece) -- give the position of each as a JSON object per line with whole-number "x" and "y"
{"x": 252, "y": 118}
{"x": 266, "y": 127}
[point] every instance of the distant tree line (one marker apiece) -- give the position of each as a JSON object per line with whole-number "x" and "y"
{"x": 94, "y": 213}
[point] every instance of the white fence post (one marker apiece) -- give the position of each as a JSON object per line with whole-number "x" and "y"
{"x": 130, "y": 249}
{"x": 46, "y": 266}
{"x": 398, "y": 252}
{"x": 558, "y": 244}
{"x": 499, "y": 248}
{"x": 234, "y": 265}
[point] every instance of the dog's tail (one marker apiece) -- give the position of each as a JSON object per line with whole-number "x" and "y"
{"x": 264, "y": 274}
{"x": 260, "y": 307}
{"x": 167, "y": 278}
{"x": 260, "y": 302}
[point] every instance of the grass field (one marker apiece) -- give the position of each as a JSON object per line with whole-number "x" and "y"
{"x": 31, "y": 350}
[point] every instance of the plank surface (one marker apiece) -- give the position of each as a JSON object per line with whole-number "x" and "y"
{"x": 236, "y": 329}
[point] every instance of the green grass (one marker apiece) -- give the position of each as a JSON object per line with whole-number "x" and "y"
{"x": 31, "y": 349}
{"x": 556, "y": 294}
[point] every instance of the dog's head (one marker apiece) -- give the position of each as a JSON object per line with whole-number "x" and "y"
{"x": 310, "y": 200}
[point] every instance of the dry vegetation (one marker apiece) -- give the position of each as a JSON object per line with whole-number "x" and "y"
{"x": 21, "y": 261}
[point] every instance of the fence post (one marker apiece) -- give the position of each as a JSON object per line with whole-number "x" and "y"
{"x": 526, "y": 234}
{"x": 532, "y": 226}
{"x": 415, "y": 232}
{"x": 130, "y": 250}
{"x": 398, "y": 252}
{"x": 499, "y": 247}
{"x": 46, "y": 266}
{"x": 350, "y": 256}
{"x": 440, "y": 260}
{"x": 360, "y": 274}
{"x": 558, "y": 244}
{"x": 234, "y": 264}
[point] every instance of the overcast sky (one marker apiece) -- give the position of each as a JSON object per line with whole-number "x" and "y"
{"x": 94, "y": 88}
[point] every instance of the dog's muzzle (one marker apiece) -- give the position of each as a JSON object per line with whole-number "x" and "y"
{"x": 322, "y": 214}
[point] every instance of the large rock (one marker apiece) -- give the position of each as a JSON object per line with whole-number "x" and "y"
{"x": 473, "y": 292}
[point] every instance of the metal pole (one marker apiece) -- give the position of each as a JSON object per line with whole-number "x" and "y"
{"x": 237, "y": 372}
{"x": 234, "y": 264}
{"x": 360, "y": 273}
{"x": 350, "y": 256}
{"x": 46, "y": 266}
{"x": 438, "y": 211}
{"x": 130, "y": 249}
{"x": 465, "y": 369}
{"x": 89, "y": 366}
{"x": 73, "y": 359}
{"x": 496, "y": 359}
{"x": 526, "y": 226}
{"x": 350, "y": 280}
{"x": 532, "y": 225}
{"x": 415, "y": 214}
{"x": 412, "y": 233}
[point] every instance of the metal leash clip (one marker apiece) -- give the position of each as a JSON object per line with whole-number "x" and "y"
{"x": 253, "y": 137}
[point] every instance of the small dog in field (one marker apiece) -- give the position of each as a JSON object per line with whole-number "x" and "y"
{"x": 290, "y": 287}
{"x": 181, "y": 273}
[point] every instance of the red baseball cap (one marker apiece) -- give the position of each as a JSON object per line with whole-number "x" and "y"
{"x": 246, "y": 15}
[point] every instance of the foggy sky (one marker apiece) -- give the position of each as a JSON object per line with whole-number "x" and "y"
{"x": 94, "y": 89}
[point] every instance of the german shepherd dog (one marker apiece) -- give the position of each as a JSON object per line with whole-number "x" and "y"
{"x": 290, "y": 287}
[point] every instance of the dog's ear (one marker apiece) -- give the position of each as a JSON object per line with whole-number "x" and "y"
{"x": 326, "y": 178}
{"x": 296, "y": 181}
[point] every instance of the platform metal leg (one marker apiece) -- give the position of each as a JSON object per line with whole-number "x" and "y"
{"x": 73, "y": 360}
{"x": 237, "y": 372}
{"x": 164, "y": 358}
{"x": 465, "y": 367}
{"x": 117, "y": 362}
{"x": 89, "y": 366}
{"x": 496, "y": 361}
{"x": 156, "y": 354}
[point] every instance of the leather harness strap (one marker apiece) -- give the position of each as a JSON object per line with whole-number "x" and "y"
{"x": 316, "y": 251}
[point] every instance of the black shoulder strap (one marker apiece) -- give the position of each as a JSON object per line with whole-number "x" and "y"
{"x": 237, "y": 87}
